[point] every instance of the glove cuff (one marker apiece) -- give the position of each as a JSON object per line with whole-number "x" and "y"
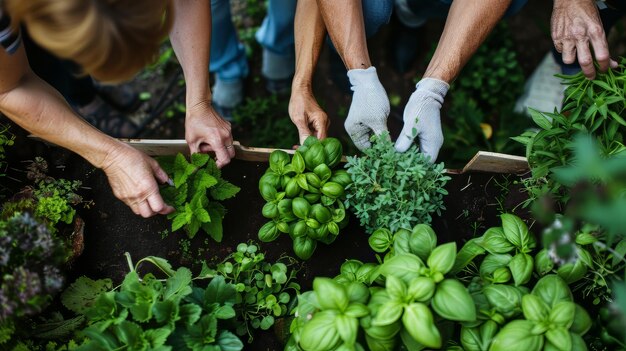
{"x": 433, "y": 85}
{"x": 359, "y": 76}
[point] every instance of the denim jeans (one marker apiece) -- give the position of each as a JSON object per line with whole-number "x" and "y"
{"x": 228, "y": 57}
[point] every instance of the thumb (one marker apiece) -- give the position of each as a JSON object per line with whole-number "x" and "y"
{"x": 406, "y": 137}
{"x": 379, "y": 128}
{"x": 303, "y": 133}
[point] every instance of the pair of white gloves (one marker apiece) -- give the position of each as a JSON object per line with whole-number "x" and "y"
{"x": 370, "y": 108}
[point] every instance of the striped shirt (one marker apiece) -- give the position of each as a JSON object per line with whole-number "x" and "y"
{"x": 9, "y": 40}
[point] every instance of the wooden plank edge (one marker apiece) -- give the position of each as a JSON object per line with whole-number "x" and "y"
{"x": 494, "y": 162}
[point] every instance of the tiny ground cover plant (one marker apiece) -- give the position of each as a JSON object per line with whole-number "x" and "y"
{"x": 305, "y": 195}
{"x": 394, "y": 190}
{"x": 198, "y": 188}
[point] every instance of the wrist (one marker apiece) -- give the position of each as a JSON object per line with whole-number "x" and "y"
{"x": 433, "y": 85}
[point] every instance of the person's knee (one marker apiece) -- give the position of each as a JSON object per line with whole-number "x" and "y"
{"x": 376, "y": 13}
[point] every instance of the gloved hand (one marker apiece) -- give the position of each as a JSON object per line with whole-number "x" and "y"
{"x": 369, "y": 108}
{"x": 421, "y": 118}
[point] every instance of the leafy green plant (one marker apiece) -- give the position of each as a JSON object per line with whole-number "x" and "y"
{"x": 304, "y": 195}
{"x": 197, "y": 188}
{"x": 402, "y": 301}
{"x": 596, "y": 107}
{"x": 394, "y": 190}
{"x": 264, "y": 290}
{"x": 146, "y": 312}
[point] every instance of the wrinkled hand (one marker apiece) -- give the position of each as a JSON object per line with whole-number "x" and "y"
{"x": 576, "y": 25}
{"x": 307, "y": 115}
{"x": 422, "y": 118}
{"x": 369, "y": 108}
{"x": 206, "y": 130}
{"x": 132, "y": 174}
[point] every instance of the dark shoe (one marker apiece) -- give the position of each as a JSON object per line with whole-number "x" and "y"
{"x": 102, "y": 116}
{"x": 122, "y": 97}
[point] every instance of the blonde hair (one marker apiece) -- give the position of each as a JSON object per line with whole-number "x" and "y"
{"x": 110, "y": 39}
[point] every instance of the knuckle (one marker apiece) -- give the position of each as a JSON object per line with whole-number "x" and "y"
{"x": 595, "y": 30}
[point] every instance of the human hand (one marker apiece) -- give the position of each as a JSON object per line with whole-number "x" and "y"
{"x": 206, "y": 130}
{"x": 422, "y": 118}
{"x": 307, "y": 115}
{"x": 576, "y": 25}
{"x": 132, "y": 174}
{"x": 369, "y": 108}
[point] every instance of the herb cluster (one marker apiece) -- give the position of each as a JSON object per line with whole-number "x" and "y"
{"x": 304, "y": 195}
{"x": 394, "y": 190}
{"x": 263, "y": 289}
{"x": 197, "y": 188}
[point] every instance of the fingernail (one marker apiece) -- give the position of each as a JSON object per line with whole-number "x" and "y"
{"x": 170, "y": 182}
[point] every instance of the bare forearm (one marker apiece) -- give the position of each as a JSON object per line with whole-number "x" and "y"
{"x": 344, "y": 22}
{"x": 191, "y": 39}
{"x": 309, "y": 33}
{"x": 41, "y": 110}
{"x": 468, "y": 25}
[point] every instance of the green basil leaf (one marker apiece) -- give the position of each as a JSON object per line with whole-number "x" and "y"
{"x": 268, "y": 192}
{"x": 552, "y": 289}
{"x": 471, "y": 340}
{"x": 348, "y": 327}
{"x": 268, "y": 232}
{"x": 560, "y": 338}
{"x": 582, "y": 321}
{"x": 408, "y": 342}
{"x": 374, "y": 344}
{"x": 357, "y": 310}
{"x": 534, "y": 308}
{"x": 388, "y": 313}
{"x": 270, "y": 210}
{"x": 516, "y": 232}
{"x": 422, "y": 241}
{"x": 578, "y": 344}
{"x": 505, "y": 299}
{"x": 300, "y": 207}
{"x": 278, "y": 159}
{"x": 400, "y": 244}
{"x": 304, "y": 247}
{"x": 452, "y": 301}
{"x": 380, "y": 240}
{"x": 501, "y": 275}
{"x": 572, "y": 272}
{"x": 418, "y": 322}
{"x": 495, "y": 242}
{"x": 405, "y": 267}
{"x": 330, "y": 294}
{"x": 562, "y": 314}
{"x": 323, "y": 172}
{"x": 421, "y": 289}
{"x": 314, "y": 156}
{"x": 521, "y": 268}
{"x": 516, "y": 335}
{"x": 357, "y": 292}
{"x": 493, "y": 262}
{"x": 340, "y": 176}
{"x": 302, "y": 182}
{"x": 396, "y": 288}
{"x": 298, "y": 162}
{"x": 383, "y": 332}
{"x": 442, "y": 258}
{"x": 543, "y": 262}
{"x": 333, "y": 151}
{"x": 320, "y": 333}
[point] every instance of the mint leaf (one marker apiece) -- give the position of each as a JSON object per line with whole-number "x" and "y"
{"x": 182, "y": 170}
{"x": 203, "y": 181}
{"x": 199, "y": 159}
{"x": 224, "y": 190}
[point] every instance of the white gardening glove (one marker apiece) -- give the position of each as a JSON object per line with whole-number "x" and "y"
{"x": 421, "y": 118}
{"x": 369, "y": 109}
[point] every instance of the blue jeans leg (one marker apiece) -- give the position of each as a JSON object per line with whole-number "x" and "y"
{"x": 276, "y": 31}
{"x": 228, "y": 56}
{"x": 439, "y": 8}
{"x": 376, "y": 13}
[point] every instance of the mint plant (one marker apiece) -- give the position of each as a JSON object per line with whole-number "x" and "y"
{"x": 197, "y": 188}
{"x": 394, "y": 190}
{"x": 264, "y": 290}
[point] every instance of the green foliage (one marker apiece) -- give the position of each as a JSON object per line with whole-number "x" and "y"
{"x": 148, "y": 313}
{"x": 596, "y": 107}
{"x": 304, "y": 195}
{"x": 269, "y": 120}
{"x": 6, "y": 139}
{"x": 399, "y": 302}
{"x": 197, "y": 188}
{"x": 394, "y": 190}
{"x": 264, "y": 290}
